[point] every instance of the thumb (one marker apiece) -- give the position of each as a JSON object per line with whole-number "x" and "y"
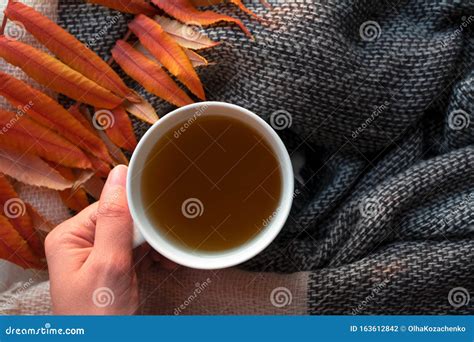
{"x": 114, "y": 227}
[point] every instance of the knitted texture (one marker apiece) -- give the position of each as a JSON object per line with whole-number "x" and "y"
{"x": 378, "y": 98}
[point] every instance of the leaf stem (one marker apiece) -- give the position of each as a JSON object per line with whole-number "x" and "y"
{"x": 4, "y": 24}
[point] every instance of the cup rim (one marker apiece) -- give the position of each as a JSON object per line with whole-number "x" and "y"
{"x": 241, "y": 253}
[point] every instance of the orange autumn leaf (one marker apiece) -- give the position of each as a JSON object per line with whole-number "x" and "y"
{"x": 115, "y": 151}
{"x": 75, "y": 199}
{"x": 16, "y": 210}
{"x": 94, "y": 186}
{"x": 102, "y": 168}
{"x": 167, "y": 52}
{"x": 126, "y": 6}
{"x": 49, "y": 113}
{"x": 196, "y": 59}
{"x": 30, "y": 169}
{"x": 56, "y": 75}
{"x": 69, "y": 49}
{"x": 14, "y": 248}
{"x": 99, "y": 166}
{"x": 149, "y": 74}
{"x": 118, "y": 127}
{"x": 76, "y": 112}
{"x": 185, "y": 11}
{"x": 204, "y": 3}
{"x": 243, "y": 8}
{"x": 143, "y": 110}
{"x": 79, "y": 112}
{"x": 25, "y": 135}
{"x": 185, "y": 35}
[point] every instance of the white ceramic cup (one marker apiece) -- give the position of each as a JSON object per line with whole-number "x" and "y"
{"x": 144, "y": 228}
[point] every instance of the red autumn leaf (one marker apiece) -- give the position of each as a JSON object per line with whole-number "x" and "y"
{"x": 118, "y": 127}
{"x": 94, "y": 186}
{"x": 185, "y": 11}
{"x": 167, "y": 52}
{"x": 76, "y": 112}
{"x": 127, "y": 6}
{"x": 143, "y": 110}
{"x": 185, "y": 35}
{"x": 114, "y": 151}
{"x": 69, "y": 49}
{"x": 82, "y": 115}
{"x": 107, "y": 119}
{"x": 30, "y": 169}
{"x": 49, "y": 113}
{"x": 16, "y": 210}
{"x": 99, "y": 166}
{"x": 14, "y": 248}
{"x": 149, "y": 74}
{"x": 56, "y": 75}
{"x": 75, "y": 199}
{"x": 25, "y": 135}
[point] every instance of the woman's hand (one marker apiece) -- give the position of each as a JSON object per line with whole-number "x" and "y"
{"x": 90, "y": 257}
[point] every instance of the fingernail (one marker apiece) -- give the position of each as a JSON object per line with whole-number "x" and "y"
{"x": 118, "y": 175}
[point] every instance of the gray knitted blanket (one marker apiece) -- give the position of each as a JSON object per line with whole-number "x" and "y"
{"x": 377, "y": 97}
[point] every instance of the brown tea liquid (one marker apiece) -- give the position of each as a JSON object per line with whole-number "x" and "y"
{"x": 212, "y": 184}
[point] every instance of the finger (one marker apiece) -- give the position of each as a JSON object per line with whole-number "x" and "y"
{"x": 114, "y": 228}
{"x": 81, "y": 225}
{"x": 75, "y": 234}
